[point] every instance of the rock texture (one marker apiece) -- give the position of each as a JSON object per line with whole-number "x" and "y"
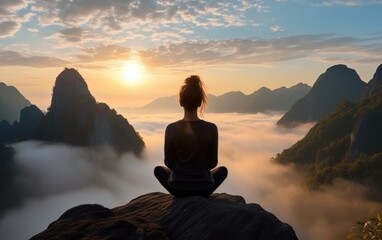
{"x": 75, "y": 118}
{"x": 337, "y": 84}
{"x": 11, "y": 102}
{"x": 161, "y": 216}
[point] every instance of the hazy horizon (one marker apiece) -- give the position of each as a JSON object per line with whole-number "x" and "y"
{"x": 64, "y": 177}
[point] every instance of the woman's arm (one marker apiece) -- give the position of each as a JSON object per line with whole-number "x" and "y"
{"x": 169, "y": 156}
{"x": 214, "y": 149}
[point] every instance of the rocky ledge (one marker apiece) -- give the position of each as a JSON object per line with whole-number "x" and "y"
{"x": 162, "y": 216}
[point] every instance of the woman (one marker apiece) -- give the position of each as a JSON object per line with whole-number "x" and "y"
{"x": 191, "y": 148}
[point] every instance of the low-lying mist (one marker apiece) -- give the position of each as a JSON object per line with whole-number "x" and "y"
{"x": 53, "y": 178}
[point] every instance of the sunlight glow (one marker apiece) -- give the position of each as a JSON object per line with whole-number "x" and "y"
{"x": 133, "y": 72}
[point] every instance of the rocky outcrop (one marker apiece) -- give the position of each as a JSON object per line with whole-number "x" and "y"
{"x": 74, "y": 118}
{"x": 161, "y": 216}
{"x": 366, "y": 134}
{"x": 30, "y": 126}
{"x": 32, "y": 120}
{"x": 368, "y": 130}
{"x": 72, "y": 111}
{"x": 337, "y": 84}
{"x": 113, "y": 129}
{"x": 11, "y": 102}
{"x": 375, "y": 84}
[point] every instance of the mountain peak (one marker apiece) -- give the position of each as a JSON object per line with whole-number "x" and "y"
{"x": 70, "y": 89}
{"x": 338, "y": 67}
{"x": 336, "y": 84}
{"x": 339, "y": 74}
{"x": 263, "y": 90}
{"x": 69, "y": 75}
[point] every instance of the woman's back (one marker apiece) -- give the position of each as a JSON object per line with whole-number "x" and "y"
{"x": 191, "y": 148}
{"x": 191, "y": 151}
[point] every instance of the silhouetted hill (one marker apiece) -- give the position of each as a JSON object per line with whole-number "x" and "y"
{"x": 8, "y": 185}
{"x": 11, "y": 102}
{"x": 159, "y": 216}
{"x": 337, "y": 84}
{"x": 75, "y": 118}
{"x": 262, "y": 100}
{"x": 345, "y": 144}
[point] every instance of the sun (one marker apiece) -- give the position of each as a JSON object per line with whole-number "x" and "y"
{"x": 133, "y": 72}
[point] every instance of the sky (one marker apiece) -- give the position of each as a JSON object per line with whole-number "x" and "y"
{"x": 133, "y": 51}
{"x": 51, "y": 178}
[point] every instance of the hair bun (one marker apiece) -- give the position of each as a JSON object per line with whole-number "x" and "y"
{"x": 193, "y": 80}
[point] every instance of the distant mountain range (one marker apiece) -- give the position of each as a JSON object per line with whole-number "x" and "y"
{"x": 262, "y": 100}
{"x": 345, "y": 144}
{"x": 11, "y": 102}
{"x": 75, "y": 118}
{"x": 337, "y": 84}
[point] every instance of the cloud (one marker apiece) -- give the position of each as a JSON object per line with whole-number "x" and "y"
{"x": 348, "y": 3}
{"x": 33, "y": 30}
{"x": 10, "y": 21}
{"x": 9, "y": 7}
{"x": 150, "y": 15}
{"x": 322, "y": 48}
{"x": 54, "y": 178}
{"x": 14, "y": 58}
{"x": 257, "y": 51}
{"x": 8, "y": 29}
{"x": 70, "y": 37}
{"x": 104, "y": 53}
{"x": 276, "y": 28}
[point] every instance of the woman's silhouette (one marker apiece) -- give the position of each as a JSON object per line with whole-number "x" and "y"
{"x": 191, "y": 148}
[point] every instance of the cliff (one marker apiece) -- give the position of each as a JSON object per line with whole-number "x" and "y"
{"x": 344, "y": 144}
{"x": 337, "y": 84}
{"x": 74, "y": 118}
{"x": 368, "y": 130}
{"x": 161, "y": 216}
{"x": 375, "y": 84}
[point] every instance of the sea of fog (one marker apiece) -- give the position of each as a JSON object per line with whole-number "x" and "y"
{"x": 55, "y": 178}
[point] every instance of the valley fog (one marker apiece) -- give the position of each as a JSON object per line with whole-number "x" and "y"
{"x": 54, "y": 178}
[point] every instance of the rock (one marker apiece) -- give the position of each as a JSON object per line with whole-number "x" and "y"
{"x": 375, "y": 84}
{"x": 31, "y": 122}
{"x": 161, "y": 216}
{"x": 113, "y": 129}
{"x": 74, "y": 118}
{"x": 337, "y": 84}
{"x": 368, "y": 130}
